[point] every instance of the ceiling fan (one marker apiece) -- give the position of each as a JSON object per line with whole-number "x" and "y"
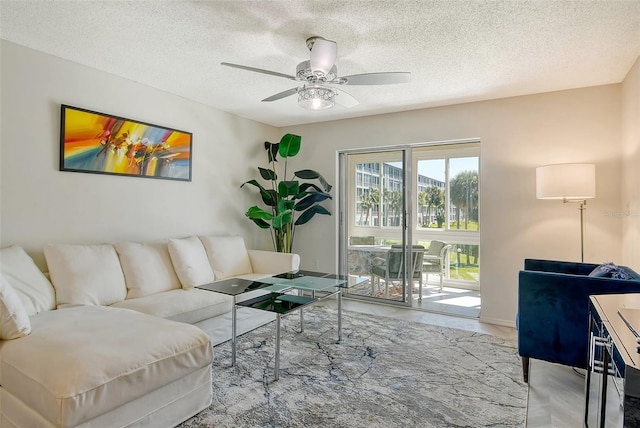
{"x": 320, "y": 73}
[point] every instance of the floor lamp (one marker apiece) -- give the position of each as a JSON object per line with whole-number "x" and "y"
{"x": 571, "y": 182}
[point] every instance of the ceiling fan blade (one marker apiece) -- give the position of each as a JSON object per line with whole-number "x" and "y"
{"x": 259, "y": 70}
{"x": 375, "y": 78}
{"x": 345, "y": 99}
{"x": 282, "y": 94}
{"x": 323, "y": 55}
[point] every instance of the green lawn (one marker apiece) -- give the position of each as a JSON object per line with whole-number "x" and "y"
{"x": 467, "y": 271}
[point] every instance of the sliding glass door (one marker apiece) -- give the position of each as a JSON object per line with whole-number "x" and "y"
{"x": 426, "y": 196}
{"x": 446, "y": 183}
{"x": 373, "y": 210}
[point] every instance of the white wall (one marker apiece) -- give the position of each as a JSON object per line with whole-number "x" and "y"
{"x": 517, "y": 135}
{"x": 629, "y": 209}
{"x": 41, "y": 204}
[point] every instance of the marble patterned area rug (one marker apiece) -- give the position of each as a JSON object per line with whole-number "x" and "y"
{"x": 385, "y": 373}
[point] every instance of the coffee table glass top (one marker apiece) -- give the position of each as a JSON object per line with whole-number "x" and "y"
{"x": 278, "y": 302}
{"x": 306, "y": 280}
{"x": 233, "y": 286}
{"x": 302, "y": 280}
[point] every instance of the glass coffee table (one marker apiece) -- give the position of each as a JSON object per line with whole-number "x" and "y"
{"x": 279, "y": 299}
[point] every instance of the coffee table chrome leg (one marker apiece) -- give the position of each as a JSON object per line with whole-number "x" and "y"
{"x": 233, "y": 332}
{"x": 339, "y": 315}
{"x": 277, "y": 362}
{"x": 301, "y": 293}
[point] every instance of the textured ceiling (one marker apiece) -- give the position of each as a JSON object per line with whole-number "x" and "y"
{"x": 457, "y": 51}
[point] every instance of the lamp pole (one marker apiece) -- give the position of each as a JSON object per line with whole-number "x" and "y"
{"x": 582, "y": 207}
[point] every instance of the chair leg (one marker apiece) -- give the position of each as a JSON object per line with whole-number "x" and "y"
{"x": 386, "y": 287}
{"x": 441, "y": 275}
{"x": 525, "y": 369}
{"x": 420, "y": 282}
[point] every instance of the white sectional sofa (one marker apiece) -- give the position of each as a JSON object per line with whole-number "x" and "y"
{"x": 108, "y": 340}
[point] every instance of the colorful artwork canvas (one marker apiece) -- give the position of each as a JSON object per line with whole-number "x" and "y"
{"x": 105, "y": 144}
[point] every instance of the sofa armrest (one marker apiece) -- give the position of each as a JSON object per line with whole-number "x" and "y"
{"x": 273, "y": 262}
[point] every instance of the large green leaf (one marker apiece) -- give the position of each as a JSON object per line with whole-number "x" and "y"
{"x": 253, "y": 182}
{"x": 286, "y": 204}
{"x": 267, "y": 174}
{"x": 312, "y": 198}
{"x": 302, "y": 195}
{"x": 261, "y": 223}
{"x": 255, "y": 212}
{"x": 269, "y": 197}
{"x": 305, "y": 186}
{"x": 309, "y": 174}
{"x": 272, "y": 151}
{"x": 290, "y": 145}
{"x": 308, "y": 214}
{"x": 288, "y": 188}
{"x": 283, "y": 218}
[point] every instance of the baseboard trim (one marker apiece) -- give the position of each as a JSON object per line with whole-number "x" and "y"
{"x": 497, "y": 321}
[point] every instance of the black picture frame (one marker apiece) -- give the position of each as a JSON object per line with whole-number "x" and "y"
{"x": 100, "y": 143}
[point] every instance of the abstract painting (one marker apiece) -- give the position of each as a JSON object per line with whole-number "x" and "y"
{"x": 105, "y": 144}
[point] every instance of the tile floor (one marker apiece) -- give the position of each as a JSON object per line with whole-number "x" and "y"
{"x": 555, "y": 392}
{"x": 454, "y": 301}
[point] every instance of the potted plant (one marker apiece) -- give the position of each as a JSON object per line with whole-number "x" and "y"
{"x": 290, "y": 202}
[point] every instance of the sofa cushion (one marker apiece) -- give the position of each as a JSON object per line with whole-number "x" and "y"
{"x": 34, "y": 290}
{"x": 147, "y": 268}
{"x": 273, "y": 263}
{"x": 14, "y": 321}
{"x": 180, "y": 305}
{"x": 85, "y": 274}
{"x": 117, "y": 356}
{"x": 190, "y": 261}
{"x": 227, "y": 255}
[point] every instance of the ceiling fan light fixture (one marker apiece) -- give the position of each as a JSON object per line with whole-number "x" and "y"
{"x": 316, "y": 98}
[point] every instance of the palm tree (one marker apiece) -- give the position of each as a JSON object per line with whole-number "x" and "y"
{"x": 464, "y": 195}
{"x": 369, "y": 200}
{"x": 396, "y": 206}
{"x": 423, "y": 204}
{"x": 365, "y": 206}
{"x": 386, "y": 201}
{"x": 435, "y": 199}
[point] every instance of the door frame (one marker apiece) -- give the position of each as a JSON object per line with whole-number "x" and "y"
{"x": 409, "y": 194}
{"x": 407, "y": 216}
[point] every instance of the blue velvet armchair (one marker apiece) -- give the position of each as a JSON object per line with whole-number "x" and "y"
{"x": 553, "y": 309}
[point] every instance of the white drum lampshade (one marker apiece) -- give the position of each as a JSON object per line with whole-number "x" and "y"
{"x": 570, "y": 181}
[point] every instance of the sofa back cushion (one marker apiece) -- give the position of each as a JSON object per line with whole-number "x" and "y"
{"x": 227, "y": 255}
{"x": 34, "y": 290}
{"x": 14, "y": 321}
{"x": 190, "y": 261}
{"x": 147, "y": 268}
{"x": 85, "y": 274}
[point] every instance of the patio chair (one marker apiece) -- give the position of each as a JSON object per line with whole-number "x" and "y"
{"x": 391, "y": 267}
{"x": 435, "y": 261}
